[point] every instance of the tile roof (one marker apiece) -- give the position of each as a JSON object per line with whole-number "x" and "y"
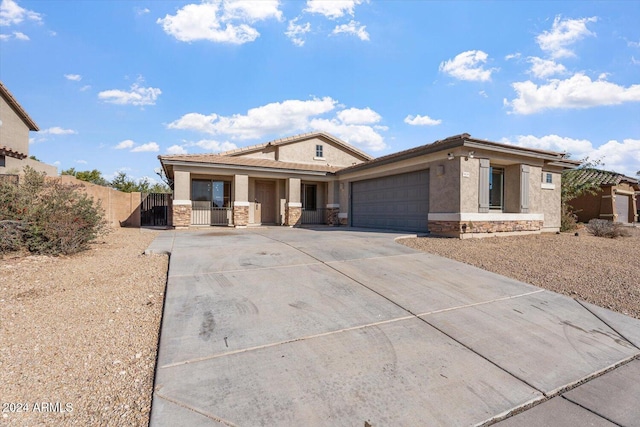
{"x": 4, "y": 92}
{"x": 220, "y": 159}
{"x": 10, "y": 152}
{"x": 602, "y": 177}
{"x": 295, "y": 138}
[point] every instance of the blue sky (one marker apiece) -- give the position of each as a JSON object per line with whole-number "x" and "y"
{"x": 113, "y": 84}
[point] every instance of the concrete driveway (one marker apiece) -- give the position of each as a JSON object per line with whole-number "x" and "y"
{"x": 335, "y": 326}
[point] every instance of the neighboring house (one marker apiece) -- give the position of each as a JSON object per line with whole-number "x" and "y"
{"x": 15, "y": 125}
{"x": 459, "y": 186}
{"x": 615, "y": 200}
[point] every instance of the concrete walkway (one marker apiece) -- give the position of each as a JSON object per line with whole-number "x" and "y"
{"x": 335, "y": 326}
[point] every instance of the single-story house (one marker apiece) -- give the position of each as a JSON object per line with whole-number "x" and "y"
{"x": 615, "y": 200}
{"x": 459, "y": 186}
{"x": 15, "y": 125}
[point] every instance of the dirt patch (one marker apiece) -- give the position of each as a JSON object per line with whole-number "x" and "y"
{"x": 602, "y": 271}
{"x": 79, "y": 333}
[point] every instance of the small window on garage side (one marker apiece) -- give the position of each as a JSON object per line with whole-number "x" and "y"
{"x": 319, "y": 151}
{"x": 2, "y": 161}
{"x": 548, "y": 178}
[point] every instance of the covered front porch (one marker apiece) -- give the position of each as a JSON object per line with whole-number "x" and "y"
{"x": 241, "y": 200}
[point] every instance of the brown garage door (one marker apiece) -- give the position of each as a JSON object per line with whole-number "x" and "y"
{"x": 622, "y": 208}
{"x": 396, "y": 202}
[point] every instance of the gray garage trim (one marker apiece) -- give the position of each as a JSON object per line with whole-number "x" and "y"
{"x": 397, "y": 202}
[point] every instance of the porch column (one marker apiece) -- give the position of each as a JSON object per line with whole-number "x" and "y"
{"x": 240, "y": 200}
{"x": 181, "y": 206}
{"x": 293, "y": 208}
{"x": 333, "y": 203}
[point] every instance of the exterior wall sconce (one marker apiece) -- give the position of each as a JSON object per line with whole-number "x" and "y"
{"x": 470, "y": 155}
{"x": 450, "y": 156}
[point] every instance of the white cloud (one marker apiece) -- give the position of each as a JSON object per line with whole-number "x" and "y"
{"x": 4, "y": 37}
{"x": 287, "y": 117}
{"x": 278, "y": 117}
{"x": 633, "y": 44}
{"x": 635, "y": 61}
{"x": 543, "y": 68}
{"x": 145, "y": 148}
{"x": 141, "y": 11}
{"x": 512, "y": 56}
{"x": 419, "y": 120}
{"x": 295, "y": 31}
{"x": 563, "y": 34}
{"x": 82, "y": 162}
{"x": 85, "y": 88}
{"x": 468, "y": 66}
{"x": 176, "y": 149}
{"x": 578, "y": 148}
{"x": 73, "y": 77}
{"x": 360, "y": 135}
{"x": 213, "y": 146}
{"x": 622, "y": 157}
{"x": 226, "y": 24}
{"x": 127, "y": 143}
{"x": 56, "y": 130}
{"x": 251, "y": 10}
{"x": 136, "y": 96}
{"x": 332, "y": 9}
{"x": 21, "y": 36}
{"x": 12, "y": 14}
{"x": 353, "y": 27}
{"x": 578, "y": 91}
{"x": 358, "y": 116}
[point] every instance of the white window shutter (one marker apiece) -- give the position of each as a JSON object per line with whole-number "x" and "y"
{"x": 524, "y": 188}
{"x": 483, "y": 187}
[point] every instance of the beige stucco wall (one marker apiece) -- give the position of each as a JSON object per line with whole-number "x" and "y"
{"x": 550, "y": 200}
{"x": 181, "y": 185}
{"x": 13, "y": 132}
{"x": 16, "y": 166}
{"x": 535, "y": 189}
{"x": 469, "y": 185}
{"x": 121, "y": 209}
{"x": 305, "y": 151}
{"x": 266, "y": 153}
{"x": 444, "y": 188}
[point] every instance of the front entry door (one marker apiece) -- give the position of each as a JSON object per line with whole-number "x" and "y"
{"x": 266, "y": 196}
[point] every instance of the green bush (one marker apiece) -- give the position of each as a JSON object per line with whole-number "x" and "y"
{"x": 604, "y": 228}
{"x": 48, "y": 217}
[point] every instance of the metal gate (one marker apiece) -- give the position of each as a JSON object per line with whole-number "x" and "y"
{"x": 153, "y": 208}
{"x": 206, "y": 213}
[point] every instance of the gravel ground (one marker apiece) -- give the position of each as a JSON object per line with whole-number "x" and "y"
{"x": 81, "y": 332}
{"x": 602, "y": 271}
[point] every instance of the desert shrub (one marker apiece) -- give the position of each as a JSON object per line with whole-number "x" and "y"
{"x": 48, "y": 217}
{"x": 604, "y": 228}
{"x": 568, "y": 221}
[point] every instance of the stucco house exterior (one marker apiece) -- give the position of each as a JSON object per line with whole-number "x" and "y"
{"x": 615, "y": 200}
{"x": 15, "y": 125}
{"x": 459, "y": 186}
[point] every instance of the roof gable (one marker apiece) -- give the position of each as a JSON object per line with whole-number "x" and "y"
{"x": 13, "y": 103}
{"x": 297, "y": 138}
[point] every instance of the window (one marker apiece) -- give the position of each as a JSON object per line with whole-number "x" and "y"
{"x": 308, "y": 196}
{"x": 319, "y": 150}
{"x": 549, "y": 178}
{"x": 496, "y": 188}
{"x": 216, "y": 192}
{"x": 2, "y": 161}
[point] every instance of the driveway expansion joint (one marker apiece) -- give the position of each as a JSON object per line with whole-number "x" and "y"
{"x": 607, "y": 323}
{"x": 197, "y": 411}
